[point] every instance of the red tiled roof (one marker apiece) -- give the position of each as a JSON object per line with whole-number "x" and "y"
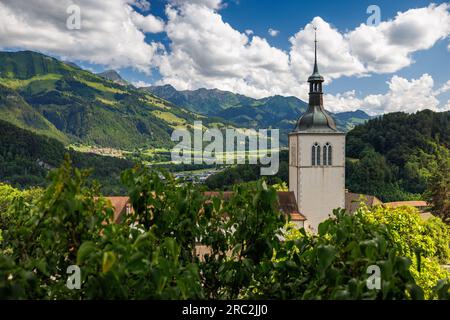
{"x": 119, "y": 204}
{"x": 353, "y": 201}
{"x": 416, "y": 203}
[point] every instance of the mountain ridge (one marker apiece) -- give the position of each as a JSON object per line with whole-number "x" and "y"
{"x": 73, "y": 105}
{"x": 276, "y": 111}
{"x": 114, "y": 76}
{"x": 80, "y": 106}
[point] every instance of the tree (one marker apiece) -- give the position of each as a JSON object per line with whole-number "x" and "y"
{"x": 438, "y": 191}
{"x": 153, "y": 252}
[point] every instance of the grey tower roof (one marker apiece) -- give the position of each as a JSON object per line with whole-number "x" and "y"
{"x": 316, "y": 119}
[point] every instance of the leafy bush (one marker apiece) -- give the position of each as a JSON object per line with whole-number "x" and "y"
{"x": 426, "y": 243}
{"x": 249, "y": 249}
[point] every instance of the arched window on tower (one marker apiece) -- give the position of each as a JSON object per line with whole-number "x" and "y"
{"x": 315, "y": 154}
{"x": 327, "y": 154}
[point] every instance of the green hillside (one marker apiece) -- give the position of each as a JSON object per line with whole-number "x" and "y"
{"x": 26, "y": 158}
{"x": 394, "y": 156}
{"x": 82, "y": 106}
{"x": 15, "y": 109}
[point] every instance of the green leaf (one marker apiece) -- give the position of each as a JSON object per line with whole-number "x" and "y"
{"x": 109, "y": 258}
{"x": 84, "y": 251}
{"x": 326, "y": 255}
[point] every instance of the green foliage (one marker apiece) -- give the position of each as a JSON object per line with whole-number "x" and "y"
{"x": 26, "y": 158}
{"x": 438, "y": 191}
{"x": 14, "y": 109}
{"x": 8, "y": 194}
{"x": 179, "y": 244}
{"x": 333, "y": 264}
{"x": 397, "y": 153}
{"x": 426, "y": 243}
{"x": 41, "y": 238}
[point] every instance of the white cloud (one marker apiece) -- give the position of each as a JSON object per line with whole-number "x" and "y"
{"x": 447, "y": 107}
{"x": 445, "y": 87}
{"x": 388, "y": 47}
{"x": 334, "y": 54}
{"x": 403, "y": 95}
{"x": 273, "y": 32}
{"x": 208, "y": 52}
{"x": 110, "y": 31}
{"x": 212, "y": 4}
{"x": 205, "y": 51}
{"x": 141, "y": 84}
{"x": 143, "y": 5}
{"x": 149, "y": 23}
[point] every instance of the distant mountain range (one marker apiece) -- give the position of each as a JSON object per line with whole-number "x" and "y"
{"x": 114, "y": 76}
{"x": 63, "y": 101}
{"x": 271, "y": 112}
{"x": 203, "y": 101}
{"x": 60, "y": 100}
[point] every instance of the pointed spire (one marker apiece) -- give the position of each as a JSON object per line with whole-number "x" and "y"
{"x": 316, "y": 69}
{"x": 315, "y": 75}
{"x": 316, "y": 119}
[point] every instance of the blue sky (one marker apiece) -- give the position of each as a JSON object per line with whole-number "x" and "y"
{"x": 288, "y": 16}
{"x": 208, "y": 43}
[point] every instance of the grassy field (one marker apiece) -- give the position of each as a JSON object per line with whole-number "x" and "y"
{"x": 21, "y": 83}
{"x": 162, "y": 156}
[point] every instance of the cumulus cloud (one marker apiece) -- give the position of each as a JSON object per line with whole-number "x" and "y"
{"x": 388, "y": 46}
{"x": 143, "y": 5}
{"x": 273, "y": 32}
{"x": 141, "y": 84}
{"x": 147, "y": 24}
{"x": 445, "y": 87}
{"x": 403, "y": 95}
{"x": 111, "y": 33}
{"x": 334, "y": 54}
{"x": 447, "y": 107}
{"x": 212, "y": 4}
{"x": 207, "y": 52}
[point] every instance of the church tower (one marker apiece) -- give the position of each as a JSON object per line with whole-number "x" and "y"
{"x": 317, "y": 157}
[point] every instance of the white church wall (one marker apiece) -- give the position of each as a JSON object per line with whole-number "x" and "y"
{"x": 319, "y": 189}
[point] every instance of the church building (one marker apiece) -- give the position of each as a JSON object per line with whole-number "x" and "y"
{"x": 317, "y": 158}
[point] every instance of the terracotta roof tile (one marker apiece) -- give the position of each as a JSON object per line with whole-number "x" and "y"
{"x": 407, "y": 203}
{"x": 119, "y": 204}
{"x": 353, "y": 201}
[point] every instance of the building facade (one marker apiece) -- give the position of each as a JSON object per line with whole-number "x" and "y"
{"x": 317, "y": 158}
